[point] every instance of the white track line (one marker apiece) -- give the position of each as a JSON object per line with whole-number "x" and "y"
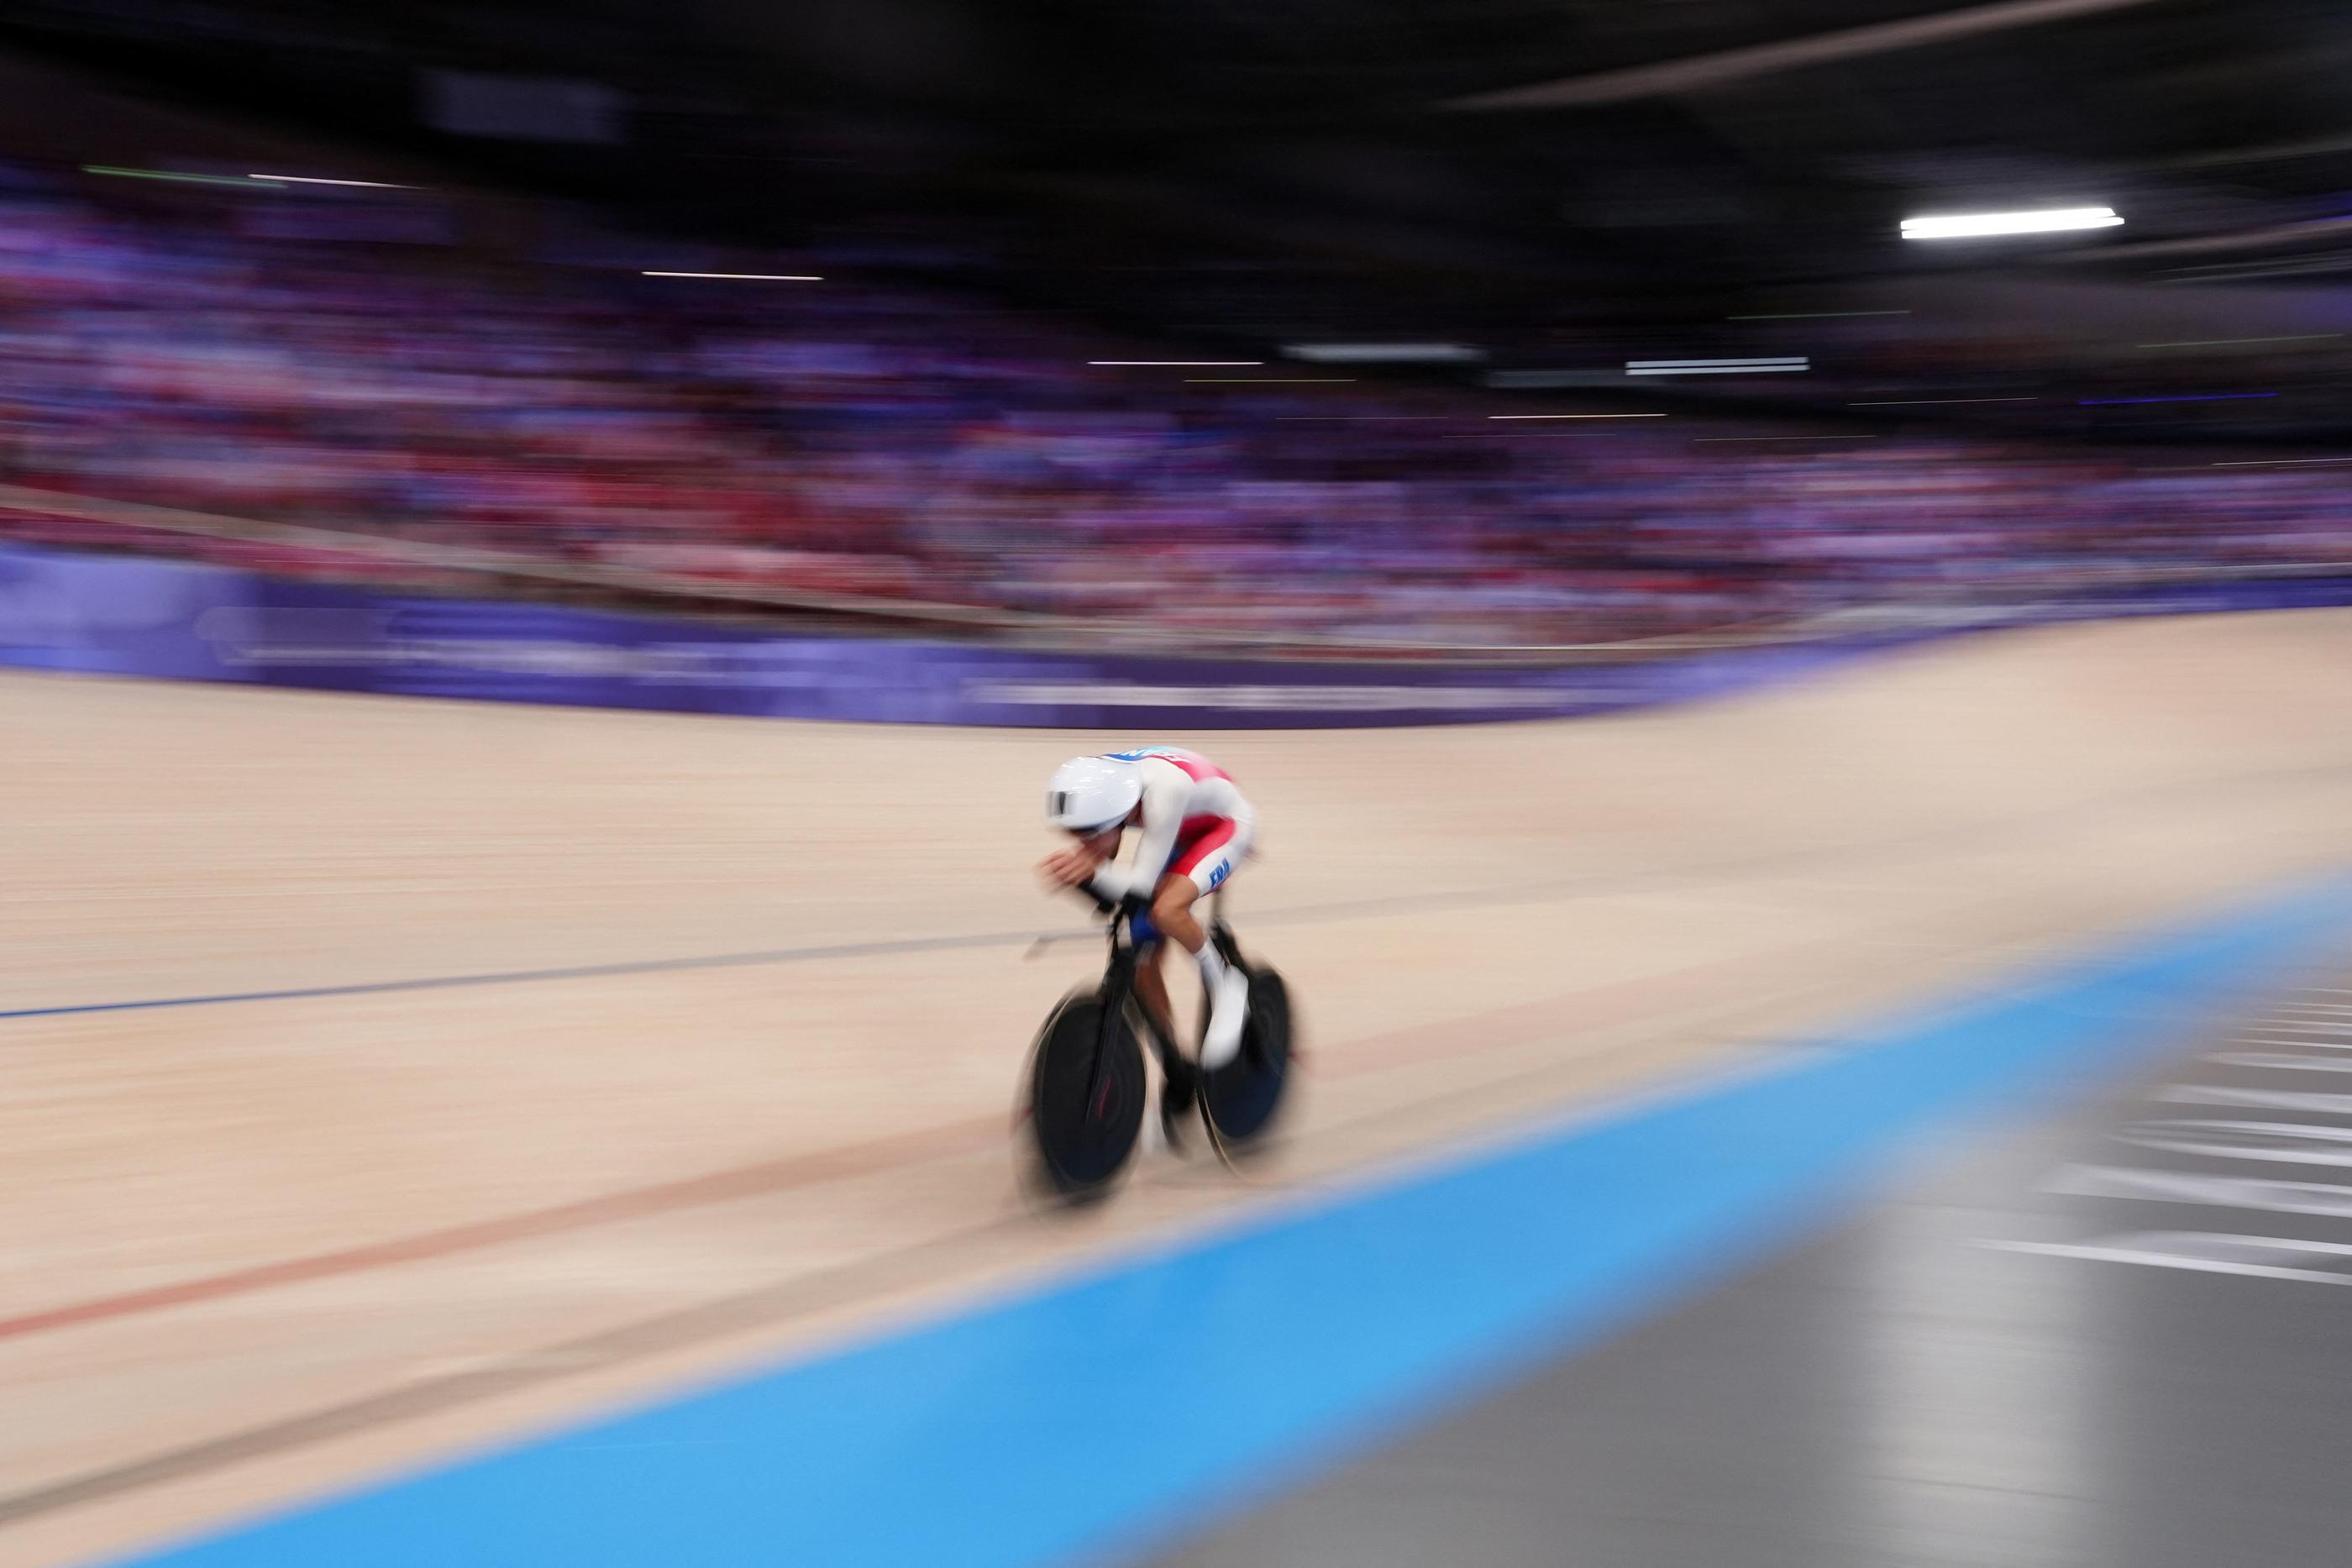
{"x": 2124, "y": 1251}
{"x": 2316, "y": 1198}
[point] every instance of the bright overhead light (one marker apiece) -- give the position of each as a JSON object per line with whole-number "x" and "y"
{"x": 2231, "y": 342}
{"x": 319, "y": 180}
{"x": 758, "y": 276}
{"x": 1917, "y": 402}
{"x": 2189, "y": 397}
{"x": 2048, "y": 220}
{"x": 1384, "y": 354}
{"x": 1780, "y": 364}
{"x": 1184, "y": 362}
{"x": 175, "y": 177}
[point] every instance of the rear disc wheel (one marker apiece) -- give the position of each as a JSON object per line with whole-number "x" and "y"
{"x": 1240, "y": 1100}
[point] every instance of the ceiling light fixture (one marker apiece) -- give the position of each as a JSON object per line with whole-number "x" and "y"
{"x": 1972, "y": 226}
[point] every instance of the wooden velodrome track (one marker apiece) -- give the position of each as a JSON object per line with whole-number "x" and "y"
{"x": 566, "y": 1056}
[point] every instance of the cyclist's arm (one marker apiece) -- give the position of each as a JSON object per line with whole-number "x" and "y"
{"x": 1165, "y": 791}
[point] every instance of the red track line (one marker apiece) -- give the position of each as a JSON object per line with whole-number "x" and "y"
{"x": 1621, "y": 1002}
{"x": 636, "y": 1203}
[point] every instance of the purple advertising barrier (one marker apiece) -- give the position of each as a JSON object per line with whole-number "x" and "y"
{"x": 130, "y": 616}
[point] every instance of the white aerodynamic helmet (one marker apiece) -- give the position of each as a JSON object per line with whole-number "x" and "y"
{"x": 1088, "y": 794}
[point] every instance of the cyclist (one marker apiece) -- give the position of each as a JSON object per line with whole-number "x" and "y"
{"x": 1195, "y": 826}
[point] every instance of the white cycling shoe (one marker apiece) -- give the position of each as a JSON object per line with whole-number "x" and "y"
{"x": 1228, "y": 1010}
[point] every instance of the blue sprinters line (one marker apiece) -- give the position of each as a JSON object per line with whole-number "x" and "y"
{"x": 1311, "y": 914}
{"x": 531, "y": 977}
{"x": 1121, "y": 1408}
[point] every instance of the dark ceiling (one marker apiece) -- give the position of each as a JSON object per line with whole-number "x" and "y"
{"x": 1446, "y": 167}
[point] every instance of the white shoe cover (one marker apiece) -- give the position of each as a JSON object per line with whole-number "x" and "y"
{"x": 1229, "y": 1008}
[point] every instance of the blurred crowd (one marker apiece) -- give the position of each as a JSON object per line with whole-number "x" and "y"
{"x": 838, "y": 438}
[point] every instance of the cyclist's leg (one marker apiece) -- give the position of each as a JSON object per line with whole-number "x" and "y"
{"x": 1200, "y": 867}
{"x": 1171, "y": 910}
{"x": 1151, "y": 996}
{"x": 1151, "y": 986}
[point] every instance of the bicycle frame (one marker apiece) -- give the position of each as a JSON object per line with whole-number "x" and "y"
{"x": 1118, "y": 989}
{"x": 1119, "y": 999}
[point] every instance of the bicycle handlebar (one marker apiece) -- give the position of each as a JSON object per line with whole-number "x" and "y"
{"x": 1113, "y": 909}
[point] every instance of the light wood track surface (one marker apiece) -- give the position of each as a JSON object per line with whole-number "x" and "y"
{"x": 260, "y": 1248}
